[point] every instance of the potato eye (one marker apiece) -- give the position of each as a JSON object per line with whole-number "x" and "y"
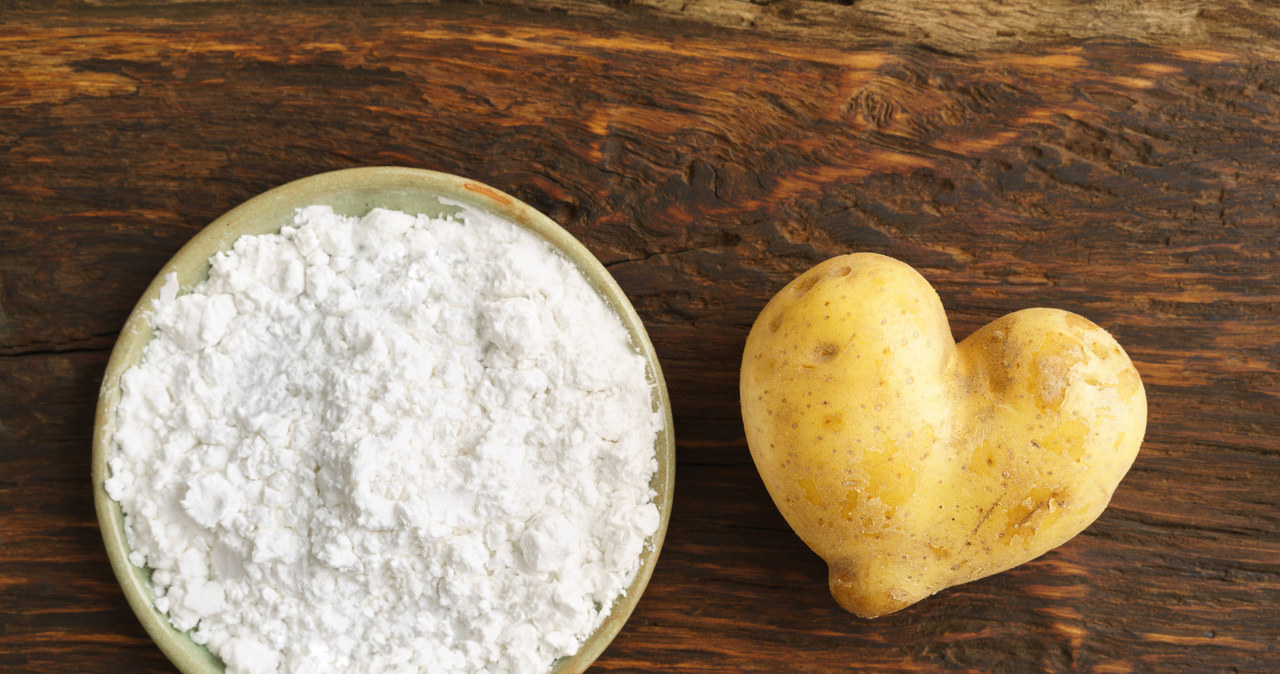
{"x": 806, "y": 284}
{"x": 825, "y": 352}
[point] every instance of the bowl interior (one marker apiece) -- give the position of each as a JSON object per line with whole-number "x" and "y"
{"x": 354, "y": 192}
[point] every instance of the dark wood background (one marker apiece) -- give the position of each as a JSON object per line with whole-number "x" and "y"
{"x": 1120, "y": 159}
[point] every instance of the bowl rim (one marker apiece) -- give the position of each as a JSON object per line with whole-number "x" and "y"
{"x": 191, "y": 264}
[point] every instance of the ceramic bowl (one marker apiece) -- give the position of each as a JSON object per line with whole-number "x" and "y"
{"x": 354, "y": 192}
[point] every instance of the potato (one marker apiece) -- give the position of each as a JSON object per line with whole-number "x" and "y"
{"x": 910, "y": 463}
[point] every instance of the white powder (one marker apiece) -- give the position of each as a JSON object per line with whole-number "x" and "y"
{"x": 389, "y": 444}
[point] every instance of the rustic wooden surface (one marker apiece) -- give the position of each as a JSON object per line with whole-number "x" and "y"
{"x": 1120, "y": 159}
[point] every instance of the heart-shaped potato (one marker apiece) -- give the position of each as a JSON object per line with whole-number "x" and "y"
{"x": 910, "y": 463}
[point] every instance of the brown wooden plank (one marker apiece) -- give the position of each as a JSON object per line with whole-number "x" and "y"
{"x": 1130, "y": 177}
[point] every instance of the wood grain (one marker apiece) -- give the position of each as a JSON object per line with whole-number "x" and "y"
{"x": 1129, "y": 174}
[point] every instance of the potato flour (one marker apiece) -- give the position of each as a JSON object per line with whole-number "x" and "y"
{"x": 392, "y": 443}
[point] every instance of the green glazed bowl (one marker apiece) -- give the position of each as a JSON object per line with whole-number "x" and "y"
{"x": 354, "y": 192}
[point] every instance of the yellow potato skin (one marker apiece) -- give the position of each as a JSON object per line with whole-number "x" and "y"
{"x": 910, "y": 463}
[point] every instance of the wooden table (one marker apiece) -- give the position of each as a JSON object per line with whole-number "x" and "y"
{"x": 1117, "y": 159}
